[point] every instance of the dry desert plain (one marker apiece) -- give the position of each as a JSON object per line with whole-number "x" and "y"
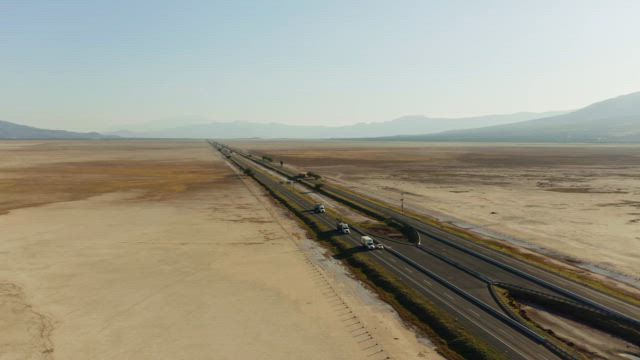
{"x": 159, "y": 250}
{"x": 577, "y": 203}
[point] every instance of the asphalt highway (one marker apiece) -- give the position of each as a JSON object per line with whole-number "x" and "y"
{"x": 495, "y": 266}
{"x": 464, "y": 296}
{"x": 502, "y": 268}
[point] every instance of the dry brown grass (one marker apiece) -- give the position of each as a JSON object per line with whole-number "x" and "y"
{"x": 154, "y": 179}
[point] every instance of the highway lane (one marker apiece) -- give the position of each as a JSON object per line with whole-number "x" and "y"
{"x": 475, "y": 285}
{"x": 492, "y": 263}
{"x": 475, "y": 257}
{"x": 512, "y": 342}
{"x": 598, "y": 297}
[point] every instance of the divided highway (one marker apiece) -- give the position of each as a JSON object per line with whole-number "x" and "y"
{"x": 454, "y": 289}
{"x": 492, "y": 265}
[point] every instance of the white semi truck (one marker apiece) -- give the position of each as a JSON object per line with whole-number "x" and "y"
{"x": 369, "y": 243}
{"x": 343, "y": 228}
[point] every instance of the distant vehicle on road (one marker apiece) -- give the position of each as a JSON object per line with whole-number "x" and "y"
{"x": 343, "y": 228}
{"x": 368, "y": 243}
{"x": 319, "y": 209}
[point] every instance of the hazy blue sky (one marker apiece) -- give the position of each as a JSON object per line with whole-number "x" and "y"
{"x": 87, "y": 65}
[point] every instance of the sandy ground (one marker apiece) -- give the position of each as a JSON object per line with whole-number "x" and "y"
{"x": 158, "y": 250}
{"x": 578, "y": 203}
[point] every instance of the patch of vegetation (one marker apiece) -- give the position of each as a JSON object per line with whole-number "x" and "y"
{"x": 568, "y": 310}
{"x": 300, "y": 176}
{"x": 382, "y": 229}
{"x": 311, "y": 174}
{"x": 515, "y": 311}
{"x": 69, "y": 181}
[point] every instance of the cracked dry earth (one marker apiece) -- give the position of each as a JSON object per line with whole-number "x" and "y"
{"x": 173, "y": 256}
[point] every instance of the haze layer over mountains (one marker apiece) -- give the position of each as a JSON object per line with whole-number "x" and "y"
{"x": 13, "y": 131}
{"x": 612, "y": 120}
{"x": 404, "y": 125}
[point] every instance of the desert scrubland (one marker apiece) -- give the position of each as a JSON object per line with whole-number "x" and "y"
{"x": 577, "y": 203}
{"x": 159, "y": 250}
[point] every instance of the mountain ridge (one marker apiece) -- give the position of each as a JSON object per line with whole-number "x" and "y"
{"x": 402, "y": 125}
{"x": 615, "y": 120}
{"x": 13, "y": 131}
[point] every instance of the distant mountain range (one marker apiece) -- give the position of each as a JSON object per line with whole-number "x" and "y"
{"x": 15, "y": 131}
{"x": 615, "y": 120}
{"x": 403, "y": 125}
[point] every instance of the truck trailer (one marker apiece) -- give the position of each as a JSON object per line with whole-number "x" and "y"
{"x": 369, "y": 243}
{"x": 343, "y": 228}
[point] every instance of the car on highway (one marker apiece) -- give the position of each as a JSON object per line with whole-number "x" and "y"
{"x": 319, "y": 209}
